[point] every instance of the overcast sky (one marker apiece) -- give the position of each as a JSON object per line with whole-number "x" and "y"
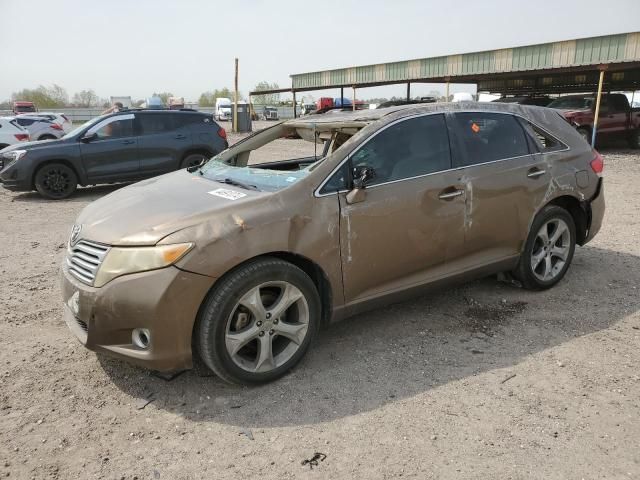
{"x": 136, "y": 47}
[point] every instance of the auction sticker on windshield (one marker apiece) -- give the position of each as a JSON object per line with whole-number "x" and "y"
{"x": 228, "y": 194}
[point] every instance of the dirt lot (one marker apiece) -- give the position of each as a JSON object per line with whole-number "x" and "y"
{"x": 484, "y": 381}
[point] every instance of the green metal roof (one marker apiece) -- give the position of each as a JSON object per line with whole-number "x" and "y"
{"x": 569, "y": 54}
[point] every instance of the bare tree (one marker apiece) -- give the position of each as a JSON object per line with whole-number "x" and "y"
{"x": 86, "y": 98}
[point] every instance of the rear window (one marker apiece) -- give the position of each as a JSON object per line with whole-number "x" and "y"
{"x": 487, "y": 137}
{"x": 184, "y": 119}
{"x": 151, "y": 124}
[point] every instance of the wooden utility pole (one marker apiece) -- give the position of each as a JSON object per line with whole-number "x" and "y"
{"x": 597, "y": 112}
{"x": 235, "y": 100}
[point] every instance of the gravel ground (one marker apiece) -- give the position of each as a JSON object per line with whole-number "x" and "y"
{"x": 483, "y": 381}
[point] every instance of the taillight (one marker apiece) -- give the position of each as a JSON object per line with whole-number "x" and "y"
{"x": 597, "y": 164}
{"x": 55, "y": 126}
{"x": 21, "y": 137}
{"x": 222, "y": 133}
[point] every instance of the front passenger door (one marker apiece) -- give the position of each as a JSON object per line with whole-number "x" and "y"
{"x": 110, "y": 150}
{"x": 411, "y": 221}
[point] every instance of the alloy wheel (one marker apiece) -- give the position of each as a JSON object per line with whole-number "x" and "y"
{"x": 267, "y": 326}
{"x": 550, "y": 249}
{"x": 56, "y": 181}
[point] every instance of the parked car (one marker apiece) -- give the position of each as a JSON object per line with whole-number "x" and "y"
{"x": 246, "y": 261}
{"x": 539, "y": 100}
{"x": 11, "y": 133}
{"x": 39, "y": 128}
{"x": 57, "y": 118}
{"x": 270, "y": 113}
{"x": 24, "y": 107}
{"x": 119, "y": 147}
{"x": 616, "y": 118}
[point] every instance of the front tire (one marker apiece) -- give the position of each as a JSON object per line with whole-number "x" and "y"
{"x": 258, "y": 322}
{"x": 548, "y": 250}
{"x": 55, "y": 181}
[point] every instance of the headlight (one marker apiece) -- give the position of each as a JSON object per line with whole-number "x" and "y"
{"x": 123, "y": 260}
{"x": 13, "y": 156}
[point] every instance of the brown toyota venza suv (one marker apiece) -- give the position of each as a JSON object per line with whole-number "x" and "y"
{"x": 240, "y": 261}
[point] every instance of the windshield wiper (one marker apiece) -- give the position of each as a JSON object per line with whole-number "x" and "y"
{"x": 236, "y": 183}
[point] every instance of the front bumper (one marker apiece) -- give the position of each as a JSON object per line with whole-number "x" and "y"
{"x": 15, "y": 178}
{"x": 164, "y": 301}
{"x": 596, "y": 205}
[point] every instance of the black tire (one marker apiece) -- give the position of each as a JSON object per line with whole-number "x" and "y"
{"x": 55, "y": 181}
{"x": 47, "y": 137}
{"x": 193, "y": 160}
{"x": 215, "y": 316}
{"x": 634, "y": 139}
{"x": 585, "y": 133}
{"x": 524, "y": 271}
{"x": 3, "y": 145}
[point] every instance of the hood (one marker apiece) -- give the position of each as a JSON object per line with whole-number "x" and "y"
{"x": 35, "y": 145}
{"x": 147, "y": 211}
{"x": 570, "y": 112}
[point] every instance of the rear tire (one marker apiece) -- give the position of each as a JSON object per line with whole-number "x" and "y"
{"x": 55, "y": 181}
{"x": 548, "y": 250}
{"x": 258, "y": 322}
{"x": 193, "y": 160}
{"x": 634, "y": 139}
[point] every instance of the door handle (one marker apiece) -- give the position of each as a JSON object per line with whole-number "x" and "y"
{"x": 128, "y": 142}
{"x": 535, "y": 173}
{"x": 180, "y": 136}
{"x": 448, "y": 194}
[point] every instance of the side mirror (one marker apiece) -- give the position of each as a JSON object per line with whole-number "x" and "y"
{"x": 88, "y": 137}
{"x": 361, "y": 175}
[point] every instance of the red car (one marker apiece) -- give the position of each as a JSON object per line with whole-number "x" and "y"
{"x": 616, "y": 117}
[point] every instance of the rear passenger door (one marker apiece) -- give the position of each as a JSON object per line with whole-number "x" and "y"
{"x": 160, "y": 146}
{"x": 505, "y": 182}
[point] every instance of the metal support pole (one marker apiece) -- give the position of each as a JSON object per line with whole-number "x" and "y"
{"x": 447, "y": 94}
{"x": 235, "y": 100}
{"x": 408, "y": 91}
{"x": 597, "y": 112}
{"x": 341, "y": 97}
{"x": 353, "y": 103}
{"x": 294, "y": 104}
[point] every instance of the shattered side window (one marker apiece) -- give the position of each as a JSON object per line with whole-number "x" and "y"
{"x": 544, "y": 141}
{"x": 339, "y": 181}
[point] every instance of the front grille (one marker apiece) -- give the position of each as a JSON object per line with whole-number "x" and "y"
{"x": 84, "y": 260}
{"x": 83, "y": 325}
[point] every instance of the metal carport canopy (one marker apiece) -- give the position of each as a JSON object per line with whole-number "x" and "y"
{"x": 565, "y": 66}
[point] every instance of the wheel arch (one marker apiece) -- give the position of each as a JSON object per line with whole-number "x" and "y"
{"x": 579, "y": 211}
{"x": 55, "y": 160}
{"x": 308, "y": 266}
